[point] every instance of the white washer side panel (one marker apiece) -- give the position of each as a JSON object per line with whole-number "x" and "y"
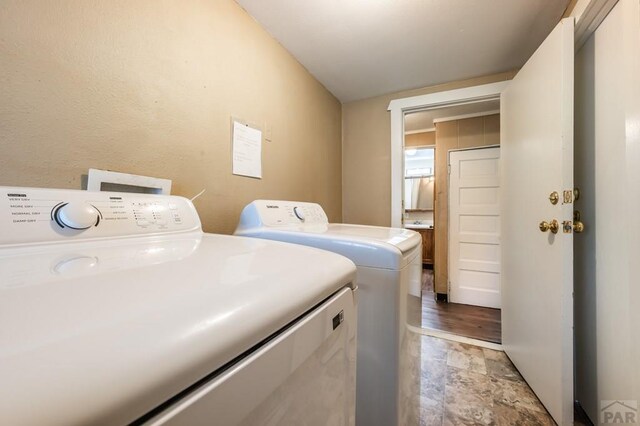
{"x": 305, "y": 376}
{"x": 382, "y": 327}
{"x": 378, "y": 344}
{"x": 409, "y": 370}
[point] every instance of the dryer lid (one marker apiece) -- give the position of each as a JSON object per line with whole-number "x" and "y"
{"x": 104, "y": 331}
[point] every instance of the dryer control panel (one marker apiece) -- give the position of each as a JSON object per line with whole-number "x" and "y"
{"x": 277, "y": 213}
{"x": 34, "y": 215}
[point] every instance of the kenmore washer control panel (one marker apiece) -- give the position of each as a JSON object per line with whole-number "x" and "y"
{"x": 31, "y": 215}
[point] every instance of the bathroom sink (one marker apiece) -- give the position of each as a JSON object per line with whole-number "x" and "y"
{"x": 425, "y": 225}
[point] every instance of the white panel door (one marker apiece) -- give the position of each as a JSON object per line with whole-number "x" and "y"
{"x": 537, "y": 267}
{"x": 474, "y": 227}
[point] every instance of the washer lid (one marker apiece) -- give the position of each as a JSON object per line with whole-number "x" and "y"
{"x": 307, "y": 223}
{"x": 371, "y": 246}
{"x": 103, "y": 332}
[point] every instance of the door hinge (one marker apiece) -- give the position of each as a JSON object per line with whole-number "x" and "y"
{"x": 448, "y": 169}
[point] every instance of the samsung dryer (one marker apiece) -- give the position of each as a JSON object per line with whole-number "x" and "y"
{"x": 116, "y": 309}
{"x": 389, "y": 266}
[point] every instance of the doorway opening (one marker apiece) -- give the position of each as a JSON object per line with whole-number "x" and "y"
{"x": 461, "y": 260}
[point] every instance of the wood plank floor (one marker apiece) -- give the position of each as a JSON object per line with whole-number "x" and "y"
{"x": 464, "y": 320}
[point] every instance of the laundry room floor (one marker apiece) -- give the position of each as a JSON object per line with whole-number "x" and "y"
{"x": 461, "y": 384}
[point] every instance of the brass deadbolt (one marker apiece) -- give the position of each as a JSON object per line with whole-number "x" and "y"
{"x": 554, "y": 197}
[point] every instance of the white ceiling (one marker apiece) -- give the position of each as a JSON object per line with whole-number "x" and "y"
{"x": 424, "y": 119}
{"x": 363, "y": 48}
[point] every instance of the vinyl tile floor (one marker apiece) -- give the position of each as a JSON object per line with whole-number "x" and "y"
{"x": 461, "y": 384}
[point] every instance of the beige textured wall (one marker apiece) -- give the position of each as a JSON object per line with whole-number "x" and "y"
{"x": 366, "y": 152}
{"x": 148, "y": 87}
{"x": 420, "y": 139}
{"x": 455, "y": 134}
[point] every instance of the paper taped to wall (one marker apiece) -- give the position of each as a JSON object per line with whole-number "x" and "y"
{"x": 247, "y": 151}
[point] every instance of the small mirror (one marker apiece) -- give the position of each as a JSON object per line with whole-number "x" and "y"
{"x": 419, "y": 179}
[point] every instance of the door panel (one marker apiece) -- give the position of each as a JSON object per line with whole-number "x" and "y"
{"x": 608, "y": 175}
{"x": 537, "y": 268}
{"x": 474, "y": 231}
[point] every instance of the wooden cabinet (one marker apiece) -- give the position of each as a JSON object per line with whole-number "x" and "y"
{"x": 427, "y": 245}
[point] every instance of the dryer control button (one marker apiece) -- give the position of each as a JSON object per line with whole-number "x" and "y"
{"x": 299, "y": 213}
{"x": 76, "y": 215}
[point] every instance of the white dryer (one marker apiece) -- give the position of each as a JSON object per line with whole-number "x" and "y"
{"x": 117, "y": 309}
{"x": 389, "y": 267}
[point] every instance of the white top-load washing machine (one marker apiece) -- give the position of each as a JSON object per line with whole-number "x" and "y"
{"x": 117, "y": 309}
{"x": 389, "y": 268}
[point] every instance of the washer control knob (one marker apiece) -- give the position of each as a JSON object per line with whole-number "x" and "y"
{"x": 76, "y": 215}
{"x": 299, "y": 213}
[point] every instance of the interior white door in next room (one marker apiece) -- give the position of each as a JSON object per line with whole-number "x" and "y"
{"x": 474, "y": 227}
{"x": 537, "y": 267}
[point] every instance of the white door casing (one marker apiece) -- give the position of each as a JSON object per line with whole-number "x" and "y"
{"x": 537, "y": 267}
{"x": 398, "y": 108}
{"x": 474, "y": 227}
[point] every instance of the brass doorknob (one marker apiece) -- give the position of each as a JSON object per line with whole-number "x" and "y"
{"x": 546, "y": 226}
{"x": 578, "y": 226}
